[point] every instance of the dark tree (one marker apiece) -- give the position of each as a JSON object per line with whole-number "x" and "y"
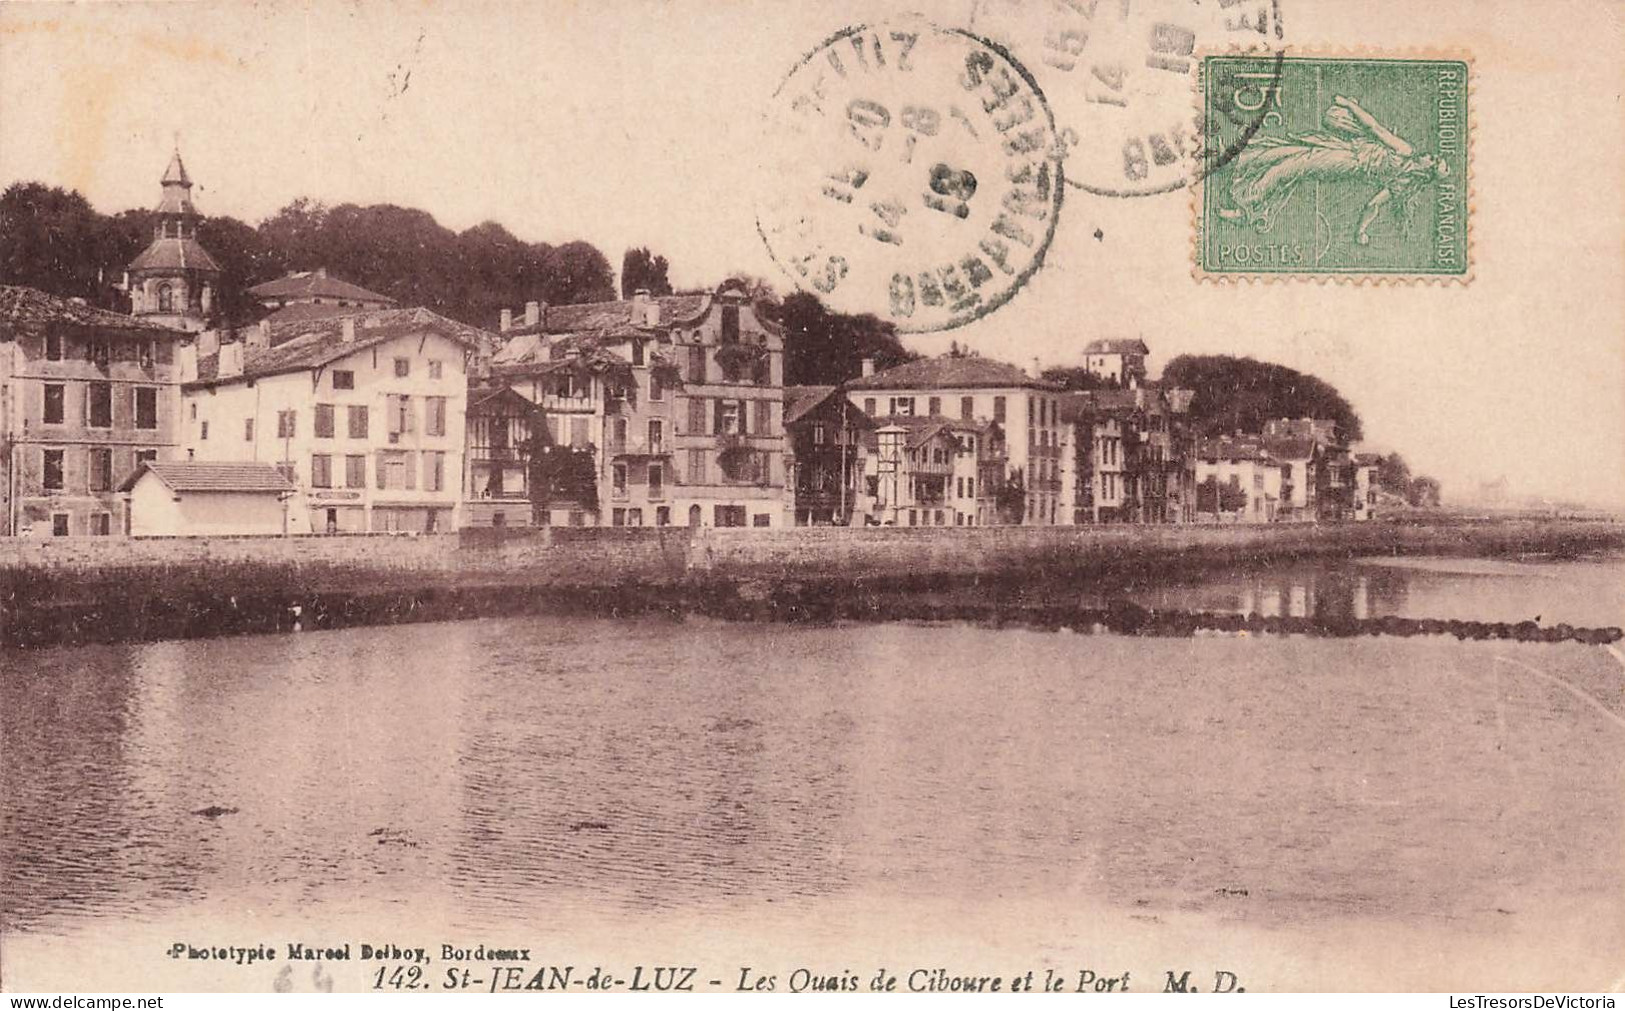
{"x": 643, "y": 269}
{"x": 245, "y": 259}
{"x": 1076, "y": 377}
{"x": 1423, "y": 493}
{"x": 578, "y": 272}
{"x": 1394, "y": 475}
{"x": 52, "y": 239}
{"x": 1241, "y": 394}
{"x": 1215, "y": 496}
{"x": 829, "y": 347}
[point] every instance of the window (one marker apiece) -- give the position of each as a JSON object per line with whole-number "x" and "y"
{"x": 324, "y": 421}
{"x": 53, "y": 347}
{"x": 637, "y": 352}
{"x": 869, "y": 406}
{"x": 400, "y": 413}
{"x": 1031, "y": 403}
{"x": 764, "y": 417}
{"x": 355, "y": 471}
{"x": 55, "y": 399}
{"x": 101, "y": 470}
{"x": 696, "y": 416}
{"x": 144, "y": 456}
{"x": 818, "y": 434}
{"x": 321, "y": 471}
{"x": 99, "y": 352}
{"x": 761, "y": 520}
{"x": 393, "y": 472}
{"x": 193, "y": 413}
{"x": 657, "y": 435}
{"x": 618, "y": 480}
{"x": 147, "y": 354}
{"x": 967, "y": 407}
{"x": 358, "y": 421}
{"x": 436, "y": 369}
{"x": 578, "y": 433}
{"x": 166, "y": 298}
{"x": 435, "y": 423}
{"x": 248, "y": 429}
{"x": 617, "y": 517}
{"x": 730, "y": 419}
{"x": 99, "y": 405}
{"x": 935, "y": 407}
{"x": 287, "y": 423}
{"x": 634, "y": 517}
{"x": 696, "y": 466}
{"x": 434, "y": 471}
{"x": 101, "y": 524}
{"x": 730, "y": 329}
{"x": 662, "y": 516}
{"x": 696, "y": 364}
{"x": 403, "y": 368}
{"x": 146, "y": 407}
{"x": 730, "y": 515}
{"x": 657, "y": 389}
{"x": 578, "y": 518}
{"x": 902, "y": 406}
{"x": 343, "y": 379}
{"x": 998, "y": 409}
{"x": 203, "y": 432}
{"x": 59, "y": 524}
{"x": 51, "y": 472}
{"x": 657, "y": 480}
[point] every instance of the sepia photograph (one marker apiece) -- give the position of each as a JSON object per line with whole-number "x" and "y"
{"x": 991, "y": 496}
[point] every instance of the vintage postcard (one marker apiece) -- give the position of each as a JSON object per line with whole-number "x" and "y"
{"x": 838, "y": 496}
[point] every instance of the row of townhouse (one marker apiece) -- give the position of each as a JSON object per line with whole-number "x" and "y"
{"x": 358, "y": 416}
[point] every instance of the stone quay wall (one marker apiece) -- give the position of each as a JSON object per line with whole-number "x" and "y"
{"x": 107, "y": 589}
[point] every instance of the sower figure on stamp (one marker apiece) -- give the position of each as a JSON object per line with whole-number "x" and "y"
{"x": 1271, "y": 168}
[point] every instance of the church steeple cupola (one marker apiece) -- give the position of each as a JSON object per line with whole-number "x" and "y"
{"x": 173, "y": 280}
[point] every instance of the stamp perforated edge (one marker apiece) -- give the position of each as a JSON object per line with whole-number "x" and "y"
{"x": 1352, "y": 279}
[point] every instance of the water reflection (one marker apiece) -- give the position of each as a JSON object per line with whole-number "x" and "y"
{"x": 539, "y": 768}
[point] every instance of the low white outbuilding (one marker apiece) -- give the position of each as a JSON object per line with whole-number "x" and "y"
{"x": 195, "y": 499}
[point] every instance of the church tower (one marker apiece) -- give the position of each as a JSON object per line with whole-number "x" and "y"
{"x": 173, "y": 281}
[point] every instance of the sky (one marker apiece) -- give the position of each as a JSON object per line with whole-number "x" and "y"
{"x": 640, "y": 123}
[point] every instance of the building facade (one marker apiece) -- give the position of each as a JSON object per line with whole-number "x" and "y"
{"x": 1026, "y": 409}
{"x": 827, "y": 445}
{"x": 1238, "y": 481}
{"x": 311, "y": 294}
{"x": 691, "y": 431}
{"x": 86, "y": 396}
{"x": 363, "y": 413}
{"x": 189, "y": 499}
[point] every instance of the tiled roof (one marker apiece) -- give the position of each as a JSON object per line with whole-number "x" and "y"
{"x": 1227, "y": 448}
{"x": 174, "y": 254}
{"x": 1113, "y": 399}
{"x": 1116, "y": 346}
{"x": 315, "y": 284}
{"x": 798, "y": 400}
{"x": 522, "y": 355}
{"x": 1290, "y": 448}
{"x": 29, "y": 308}
{"x": 307, "y": 344}
{"x": 615, "y": 315}
{"x": 221, "y": 477}
{"x": 948, "y": 373}
{"x": 295, "y": 312}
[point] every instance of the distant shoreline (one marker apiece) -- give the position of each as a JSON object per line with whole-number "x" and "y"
{"x": 85, "y": 590}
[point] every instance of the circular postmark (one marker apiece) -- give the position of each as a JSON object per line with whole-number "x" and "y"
{"x": 911, "y": 171}
{"x": 1120, "y": 76}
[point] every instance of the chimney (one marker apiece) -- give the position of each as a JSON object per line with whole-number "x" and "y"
{"x": 640, "y": 307}
{"x": 868, "y": 366}
{"x": 186, "y": 358}
{"x": 507, "y": 320}
{"x": 533, "y": 313}
{"x": 651, "y": 313}
{"x": 231, "y": 360}
{"x": 260, "y": 336}
{"x": 321, "y": 271}
{"x": 347, "y": 333}
{"x": 1037, "y": 370}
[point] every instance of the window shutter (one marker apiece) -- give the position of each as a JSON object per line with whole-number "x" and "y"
{"x": 394, "y": 414}
{"x": 380, "y": 464}
{"x": 719, "y": 423}
{"x": 411, "y": 469}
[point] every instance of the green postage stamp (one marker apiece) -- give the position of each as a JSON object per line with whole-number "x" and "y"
{"x": 1333, "y": 167}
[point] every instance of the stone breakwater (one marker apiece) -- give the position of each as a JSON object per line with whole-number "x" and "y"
{"x": 75, "y": 590}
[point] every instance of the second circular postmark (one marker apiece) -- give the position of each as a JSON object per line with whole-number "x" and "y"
{"x": 912, "y": 171}
{"x": 1119, "y": 74}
